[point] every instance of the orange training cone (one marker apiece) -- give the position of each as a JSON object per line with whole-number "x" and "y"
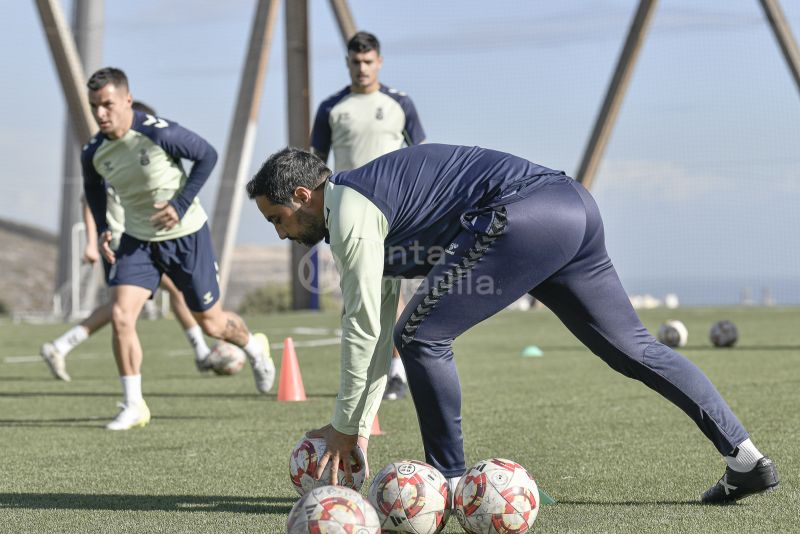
{"x": 376, "y": 427}
{"x": 290, "y": 387}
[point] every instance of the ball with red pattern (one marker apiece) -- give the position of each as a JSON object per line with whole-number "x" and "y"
{"x": 496, "y": 496}
{"x": 305, "y": 459}
{"x": 226, "y": 358}
{"x": 410, "y": 497}
{"x": 332, "y": 510}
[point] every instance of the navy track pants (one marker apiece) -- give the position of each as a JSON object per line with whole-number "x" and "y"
{"x": 551, "y": 245}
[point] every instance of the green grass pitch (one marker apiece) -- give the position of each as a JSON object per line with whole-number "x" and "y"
{"x": 616, "y": 456}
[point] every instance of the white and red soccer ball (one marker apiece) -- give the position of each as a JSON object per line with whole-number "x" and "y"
{"x": 333, "y": 509}
{"x": 496, "y": 496}
{"x": 305, "y": 459}
{"x": 226, "y": 358}
{"x": 410, "y": 497}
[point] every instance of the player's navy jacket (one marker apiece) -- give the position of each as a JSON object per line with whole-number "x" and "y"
{"x": 428, "y": 193}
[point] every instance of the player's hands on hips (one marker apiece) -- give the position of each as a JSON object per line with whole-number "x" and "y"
{"x": 91, "y": 252}
{"x": 104, "y": 244}
{"x": 338, "y": 447}
{"x": 166, "y": 217}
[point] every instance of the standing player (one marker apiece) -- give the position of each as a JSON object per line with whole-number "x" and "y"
{"x": 361, "y": 122}
{"x": 166, "y": 232}
{"x": 485, "y": 228}
{"x": 55, "y": 352}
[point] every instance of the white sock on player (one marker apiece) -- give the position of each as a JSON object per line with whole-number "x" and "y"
{"x": 254, "y": 348}
{"x": 71, "y": 339}
{"x": 131, "y": 389}
{"x": 746, "y": 457}
{"x": 397, "y": 369}
{"x": 198, "y": 342}
{"x": 453, "y": 482}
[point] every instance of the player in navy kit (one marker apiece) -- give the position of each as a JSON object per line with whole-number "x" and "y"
{"x": 484, "y": 228}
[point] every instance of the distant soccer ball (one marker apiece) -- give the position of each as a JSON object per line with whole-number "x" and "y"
{"x": 723, "y": 334}
{"x": 411, "y": 497}
{"x": 226, "y": 359}
{"x": 496, "y": 496}
{"x": 673, "y": 334}
{"x": 305, "y": 459}
{"x": 333, "y": 510}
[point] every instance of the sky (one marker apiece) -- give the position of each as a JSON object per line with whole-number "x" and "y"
{"x": 699, "y": 183}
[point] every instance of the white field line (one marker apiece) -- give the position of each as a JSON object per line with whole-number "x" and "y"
{"x": 307, "y": 331}
{"x": 35, "y": 358}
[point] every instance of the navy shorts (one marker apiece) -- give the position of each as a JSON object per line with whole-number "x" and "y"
{"x": 106, "y": 269}
{"x": 189, "y": 261}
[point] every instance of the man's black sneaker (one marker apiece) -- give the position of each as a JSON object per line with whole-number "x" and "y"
{"x": 395, "y": 388}
{"x": 734, "y": 485}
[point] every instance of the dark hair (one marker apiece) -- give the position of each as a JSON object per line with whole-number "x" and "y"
{"x": 144, "y": 108}
{"x": 363, "y": 42}
{"x": 283, "y": 172}
{"x": 105, "y": 76}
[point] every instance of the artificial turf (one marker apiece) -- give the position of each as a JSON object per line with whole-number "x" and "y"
{"x": 616, "y": 456}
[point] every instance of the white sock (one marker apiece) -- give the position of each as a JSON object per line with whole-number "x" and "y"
{"x": 397, "y": 369}
{"x": 198, "y": 342}
{"x": 453, "y": 482}
{"x": 71, "y": 339}
{"x": 131, "y": 389}
{"x": 254, "y": 348}
{"x": 745, "y": 458}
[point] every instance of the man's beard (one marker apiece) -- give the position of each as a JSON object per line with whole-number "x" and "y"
{"x": 313, "y": 229}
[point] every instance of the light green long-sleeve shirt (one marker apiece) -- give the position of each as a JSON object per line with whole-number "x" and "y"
{"x": 357, "y": 231}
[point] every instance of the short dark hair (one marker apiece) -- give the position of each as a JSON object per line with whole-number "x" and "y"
{"x": 283, "y": 172}
{"x": 105, "y": 76}
{"x": 363, "y": 42}
{"x": 144, "y": 108}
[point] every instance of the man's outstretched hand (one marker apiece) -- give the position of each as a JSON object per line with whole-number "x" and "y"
{"x": 338, "y": 447}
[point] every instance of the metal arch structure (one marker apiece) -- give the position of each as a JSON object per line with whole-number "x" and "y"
{"x": 227, "y": 208}
{"x": 73, "y": 56}
{"x": 615, "y": 94}
{"x": 242, "y": 136}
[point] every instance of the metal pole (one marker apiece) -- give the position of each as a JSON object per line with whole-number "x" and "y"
{"x": 297, "y": 79}
{"x": 75, "y": 270}
{"x": 344, "y": 18}
{"x": 67, "y": 62}
{"x": 227, "y": 209}
{"x": 87, "y": 26}
{"x": 615, "y": 94}
{"x": 780, "y": 27}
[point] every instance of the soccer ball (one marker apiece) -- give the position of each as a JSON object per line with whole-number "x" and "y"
{"x": 305, "y": 458}
{"x": 673, "y": 334}
{"x": 723, "y": 334}
{"x": 496, "y": 496}
{"x": 411, "y": 497}
{"x": 226, "y": 359}
{"x": 334, "y": 510}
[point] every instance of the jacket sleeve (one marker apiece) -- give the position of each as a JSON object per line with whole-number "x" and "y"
{"x": 181, "y": 143}
{"x": 94, "y": 187}
{"x": 357, "y": 231}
